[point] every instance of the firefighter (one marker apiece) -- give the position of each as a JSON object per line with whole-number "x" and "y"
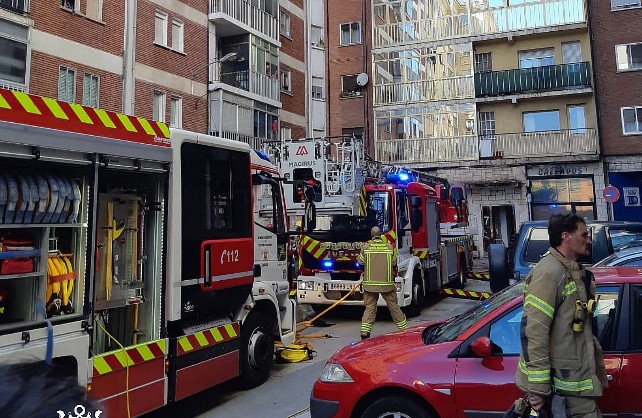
{"x": 561, "y": 360}
{"x": 378, "y": 259}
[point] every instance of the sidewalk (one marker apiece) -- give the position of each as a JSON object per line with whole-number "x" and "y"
{"x": 480, "y": 264}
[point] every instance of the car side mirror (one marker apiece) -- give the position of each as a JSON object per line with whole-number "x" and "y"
{"x": 482, "y": 347}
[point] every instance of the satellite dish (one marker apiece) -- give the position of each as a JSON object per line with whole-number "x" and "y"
{"x": 362, "y": 79}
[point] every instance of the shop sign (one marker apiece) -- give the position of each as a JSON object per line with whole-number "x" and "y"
{"x": 560, "y": 170}
{"x": 631, "y": 196}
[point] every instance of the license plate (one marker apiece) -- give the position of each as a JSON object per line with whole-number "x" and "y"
{"x": 340, "y": 286}
{"x": 432, "y": 263}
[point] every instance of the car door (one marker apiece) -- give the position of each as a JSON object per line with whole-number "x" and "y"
{"x": 630, "y": 379}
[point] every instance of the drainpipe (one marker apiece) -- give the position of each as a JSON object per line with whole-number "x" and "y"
{"x": 129, "y": 58}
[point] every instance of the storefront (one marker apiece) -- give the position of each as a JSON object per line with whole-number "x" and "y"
{"x": 627, "y": 207}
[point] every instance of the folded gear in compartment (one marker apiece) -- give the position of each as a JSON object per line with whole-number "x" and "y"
{"x": 60, "y": 284}
{"x": 17, "y": 256}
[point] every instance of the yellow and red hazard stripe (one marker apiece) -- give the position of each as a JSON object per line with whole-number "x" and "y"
{"x": 45, "y": 112}
{"x": 313, "y": 247}
{"x": 479, "y": 275}
{"x": 422, "y": 253}
{"x": 128, "y": 357}
{"x": 203, "y": 339}
{"x": 467, "y": 294}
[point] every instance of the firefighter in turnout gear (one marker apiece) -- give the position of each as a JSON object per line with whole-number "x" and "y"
{"x": 561, "y": 360}
{"x": 378, "y": 258}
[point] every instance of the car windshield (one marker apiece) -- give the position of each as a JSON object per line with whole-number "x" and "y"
{"x": 450, "y": 330}
{"x": 624, "y": 238}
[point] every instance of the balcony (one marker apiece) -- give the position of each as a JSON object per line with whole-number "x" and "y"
{"x": 427, "y": 150}
{"x": 537, "y": 79}
{"x": 253, "y": 141}
{"x": 537, "y": 16}
{"x": 244, "y": 12}
{"x": 254, "y": 82}
{"x": 540, "y": 144}
{"x": 18, "y": 6}
{"x": 422, "y": 91}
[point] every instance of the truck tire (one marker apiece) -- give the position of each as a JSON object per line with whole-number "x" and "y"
{"x": 462, "y": 276}
{"x": 257, "y": 350}
{"x": 497, "y": 267}
{"x": 418, "y": 297}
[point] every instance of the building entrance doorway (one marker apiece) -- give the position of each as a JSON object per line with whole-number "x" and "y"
{"x": 499, "y": 224}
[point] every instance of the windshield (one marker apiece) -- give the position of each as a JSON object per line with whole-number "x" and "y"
{"x": 379, "y": 210}
{"x": 268, "y": 203}
{"x": 623, "y": 238}
{"x": 452, "y": 329}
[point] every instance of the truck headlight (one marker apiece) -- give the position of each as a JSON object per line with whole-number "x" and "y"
{"x": 306, "y": 285}
{"x": 334, "y": 373}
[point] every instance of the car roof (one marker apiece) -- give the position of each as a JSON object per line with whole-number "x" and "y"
{"x": 589, "y": 223}
{"x": 606, "y": 275}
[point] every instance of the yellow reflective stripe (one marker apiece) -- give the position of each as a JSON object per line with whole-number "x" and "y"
{"x": 55, "y": 108}
{"x": 540, "y": 305}
{"x": 164, "y": 129}
{"x": 145, "y": 352}
{"x": 535, "y": 376}
{"x": 573, "y": 386}
{"x": 230, "y": 330}
{"x": 185, "y": 344}
{"x": 126, "y": 122}
{"x": 200, "y": 337}
{"x": 80, "y": 112}
{"x": 146, "y": 126}
{"x": 123, "y": 358}
{"x": 161, "y": 345}
{"x": 27, "y": 103}
{"x": 104, "y": 118}
{"x": 218, "y": 337}
{"x": 3, "y": 103}
{"x": 101, "y": 365}
{"x": 569, "y": 289}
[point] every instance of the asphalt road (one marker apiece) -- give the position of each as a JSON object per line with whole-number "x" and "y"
{"x": 286, "y": 394}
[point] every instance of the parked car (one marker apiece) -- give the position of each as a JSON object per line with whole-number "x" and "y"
{"x": 465, "y": 367}
{"x": 630, "y": 256}
{"x": 531, "y": 242}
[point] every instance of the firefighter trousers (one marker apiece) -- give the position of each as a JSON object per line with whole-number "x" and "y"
{"x": 578, "y": 407}
{"x": 370, "y": 300}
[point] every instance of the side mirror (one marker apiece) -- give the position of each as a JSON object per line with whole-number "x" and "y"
{"x": 416, "y": 219}
{"x": 482, "y": 347}
{"x": 415, "y": 201}
{"x": 457, "y": 196}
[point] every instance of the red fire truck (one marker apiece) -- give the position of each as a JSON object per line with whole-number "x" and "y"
{"x": 352, "y": 195}
{"x": 152, "y": 252}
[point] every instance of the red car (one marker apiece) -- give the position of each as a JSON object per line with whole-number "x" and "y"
{"x": 465, "y": 367}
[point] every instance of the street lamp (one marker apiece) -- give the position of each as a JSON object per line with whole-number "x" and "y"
{"x": 230, "y": 56}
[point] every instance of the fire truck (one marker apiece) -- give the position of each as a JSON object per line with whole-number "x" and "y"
{"x": 420, "y": 215}
{"x": 149, "y": 261}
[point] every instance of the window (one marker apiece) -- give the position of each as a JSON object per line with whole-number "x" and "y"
{"x": 317, "y": 88}
{"x": 286, "y": 133}
{"x": 637, "y": 314}
{"x": 13, "y": 55}
{"x": 284, "y": 23}
{"x": 542, "y": 121}
{"x": 629, "y": 57}
{"x": 160, "y": 29}
{"x": 90, "y": 88}
{"x": 536, "y": 58}
{"x": 577, "y": 119}
{"x": 349, "y": 86}
{"x": 632, "y": 120}
{"x": 351, "y": 33}
{"x": 571, "y": 52}
{"x": 558, "y": 196}
{"x": 623, "y": 4}
{"x": 316, "y": 36}
{"x": 176, "y": 112}
{"x": 159, "y": 106}
{"x": 286, "y": 81}
{"x": 14, "y": 5}
{"x": 66, "y": 84}
{"x": 94, "y": 9}
{"x": 483, "y": 62}
{"x": 177, "y": 35}
{"x": 352, "y": 132}
{"x": 487, "y": 125}
{"x": 70, "y": 4}
{"x": 606, "y": 299}
{"x": 505, "y": 332}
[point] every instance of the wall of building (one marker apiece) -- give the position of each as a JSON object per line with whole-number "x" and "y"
{"x": 292, "y": 58}
{"x": 615, "y": 89}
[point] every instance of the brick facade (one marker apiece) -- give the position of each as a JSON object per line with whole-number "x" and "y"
{"x": 293, "y": 50}
{"x": 615, "y": 89}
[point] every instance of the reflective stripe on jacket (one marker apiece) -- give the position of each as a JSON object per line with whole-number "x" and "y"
{"x": 378, "y": 257}
{"x": 553, "y": 356}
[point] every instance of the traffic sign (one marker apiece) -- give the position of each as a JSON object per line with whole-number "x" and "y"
{"x": 611, "y": 194}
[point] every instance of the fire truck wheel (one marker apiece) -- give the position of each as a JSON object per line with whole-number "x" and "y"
{"x": 257, "y": 350}
{"x": 418, "y": 296}
{"x": 497, "y": 267}
{"x": 462, "y": 277}
{"x": 396, "y": 406}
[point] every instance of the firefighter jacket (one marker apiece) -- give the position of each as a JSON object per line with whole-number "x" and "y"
{"x": 554, "y": 356}
{"x": 378, "y": 258}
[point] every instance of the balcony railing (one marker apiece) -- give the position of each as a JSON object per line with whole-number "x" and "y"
{"x": 238, "y": 79}
{"x": 537, "y": 79}
{"x": 527, "y": 16}
{"x": 253, "y": 141}
{"x": 245, "y": 12}
{"x": 540, "y": 144}
{"x": 425, "y": 90}
{"x": 20, "y": 6}
{"x": 427, "y": 150}
{"x": 265, "y": 86}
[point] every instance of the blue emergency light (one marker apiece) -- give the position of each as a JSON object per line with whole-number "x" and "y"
{"x": 327, "y": 264}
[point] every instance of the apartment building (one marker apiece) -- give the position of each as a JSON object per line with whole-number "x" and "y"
{"x": 348, "y": 87}
{"x": 617, "y": 52}
{"x": 316, "y": 68}
{"x": 495, "y": 94}
{"x": 138, "y": 58}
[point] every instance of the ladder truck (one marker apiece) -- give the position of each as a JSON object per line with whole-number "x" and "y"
{"x": 155, "y": 255}
{"x": 352, "y": 195}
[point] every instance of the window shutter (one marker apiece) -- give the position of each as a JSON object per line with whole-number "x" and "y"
{"x": 571, "y": 52}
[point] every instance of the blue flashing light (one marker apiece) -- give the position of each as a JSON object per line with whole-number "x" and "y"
{"x": 262, "y": 155}
{"x": 554, "y": 206}
{"x": 327, "y": 264}
{"x": 403, "y": 176}
{"x": 356, "y": 264}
